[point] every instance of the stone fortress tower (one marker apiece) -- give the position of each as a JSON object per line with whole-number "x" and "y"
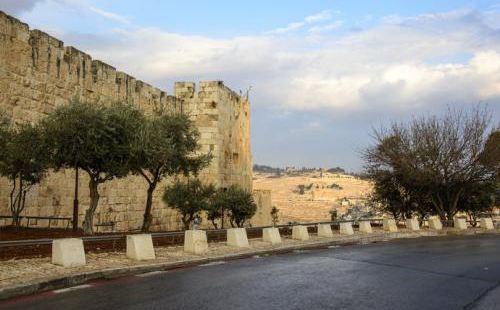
{"x": 38, "y": 73}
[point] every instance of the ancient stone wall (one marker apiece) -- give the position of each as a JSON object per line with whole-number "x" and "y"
{"x": 264, "y": 203}
{"x": 39, "y": 73}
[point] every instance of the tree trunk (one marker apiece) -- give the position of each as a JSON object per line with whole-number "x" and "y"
{"x": 215, "y": 224}
{"x": 148, "y": 218}
{"x": 439, "y": 207}
{"x": 452, "y": 208}
{"x": 17, "y": 204}
{"x": 185, "y": 222}
{"x": 88, "y": 222}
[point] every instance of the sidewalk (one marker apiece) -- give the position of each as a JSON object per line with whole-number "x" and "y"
{"x": 27, "y": 276}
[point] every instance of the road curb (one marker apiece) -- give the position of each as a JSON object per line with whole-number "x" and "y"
{"x": 110, "y": 273}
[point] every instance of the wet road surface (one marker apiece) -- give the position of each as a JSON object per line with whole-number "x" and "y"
{"x": 425, "y": 273}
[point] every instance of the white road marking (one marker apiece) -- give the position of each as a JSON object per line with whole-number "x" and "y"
{"x": 73, "y": 288}
{"x": 213, "y": 263}
{"x": 333, "y": 246}
{"x": 152, "y": 273}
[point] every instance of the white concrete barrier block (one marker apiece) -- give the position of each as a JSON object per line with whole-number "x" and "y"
{"x": 435, "y": 223}
{"x": 299, "y": 232}
{"x": 237, "y": 237}
{"x": 325, "y": 230}
{"x": 195, "y": 241}
{"x": 412, "y": 224}
{"x": 366, "y": 227}
{"x": 486, "y": 223}
{"x": 271, "y": 235}
{"x": 390, "y": 225}
{"x": 346, "y": 228}
{"x": 140, "y": 247}
{"x": 459, "y": 223}
{"x": 68, "y": 252}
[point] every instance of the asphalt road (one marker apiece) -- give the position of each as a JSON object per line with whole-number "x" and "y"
{"x": 426, "y": 273}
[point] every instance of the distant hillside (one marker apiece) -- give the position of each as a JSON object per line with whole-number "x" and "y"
{"x": 294, "y": 170}
{"x": 310, "y": 196}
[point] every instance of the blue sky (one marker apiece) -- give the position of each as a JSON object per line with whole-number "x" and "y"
{"x": 323, "y": 72}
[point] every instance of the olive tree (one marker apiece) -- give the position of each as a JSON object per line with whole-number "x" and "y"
{"x": 23, "y": 160}
{"x": 165, "y": 145}
{"x": 189, "y": 198}
{"x": 237, "y": 202}
{"x": 95, "y": 138}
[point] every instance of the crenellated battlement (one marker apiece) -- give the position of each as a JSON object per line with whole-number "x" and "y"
{"x": 39, "y": 73}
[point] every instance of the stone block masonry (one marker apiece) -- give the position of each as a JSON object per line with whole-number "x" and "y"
{"x": 38, "y": 73}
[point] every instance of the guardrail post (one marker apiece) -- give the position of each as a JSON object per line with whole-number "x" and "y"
{"x": 237, "y": 237}
{"x": 195, "y": 241}
{"x": 140, "y": 247}
{"x": 300, "y": 232}
{"x": 271, "y": 235}
{"x": 325, "y": 230}
{"x": 390, "y": 225}
{"x": 346, "y": 228}
{"x": 365, "y": 226}
{"x": 412, "y": 224}
{"x": 68, "y": 252}
{"x": 459, "y": 223}
{"x": 435, "y": 223}
{"x": 486, "y": 223}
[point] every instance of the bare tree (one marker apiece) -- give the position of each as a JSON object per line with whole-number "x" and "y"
{"x": 441, "y": 156}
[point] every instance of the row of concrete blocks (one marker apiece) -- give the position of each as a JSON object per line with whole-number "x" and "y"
{"x": 435, "y": 223}
{"x": 70, "y": 252}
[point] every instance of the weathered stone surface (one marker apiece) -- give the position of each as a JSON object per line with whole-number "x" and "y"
{"x": 38, "y": 73}
{"x": 237, "y": 237}
{"x": 412, "y": 224}
{"x": 390, "y": 225}
{"x": 264, "y": 204}
{"x": 195, "y": 241}
{"x": 459, "y": 223}
{"x": 300, "y": 232}
{"x": 325, "y": 230}
{"x": 435, "y": 223}
{"x": 271, "y": 235}
{"x": 486, "y": 223}
{"x": 366, "y": 227}
{"x": 140, "y": 247}
{"x": 346, "y": 228}
{"x": 68, "y": 252}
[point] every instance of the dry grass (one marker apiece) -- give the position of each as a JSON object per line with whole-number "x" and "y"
{"x": 314, "y": 204}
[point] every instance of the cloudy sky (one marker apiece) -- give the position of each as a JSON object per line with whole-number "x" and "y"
{"x": 323, "y": 73}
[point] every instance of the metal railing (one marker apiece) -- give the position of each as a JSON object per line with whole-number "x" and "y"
{"x": 177, "y": 237}
{"x": 212, "y": 234}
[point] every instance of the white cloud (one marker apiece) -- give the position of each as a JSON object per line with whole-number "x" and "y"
{"x": 385, "y": 68}
{"x": 319, "y": 29}
{"x": 319, "y": 17}
{"x": 110, "y": 15}
{"x": 18, "y": 6}
{"x": 287, "y": 28}
{"x": 322, "y": 16}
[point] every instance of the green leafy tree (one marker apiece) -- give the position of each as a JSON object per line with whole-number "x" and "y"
{"x": 23, "y": 160}
{"x": 215, "y": 211}
{"x": 479, "y": 200}
{"x": 95, "y": 138}
{"x": 164, "y": 146}
{"x": 237, "y": 202}
{"x": 490, "y": 156}
{"x": 189, "y": 198}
